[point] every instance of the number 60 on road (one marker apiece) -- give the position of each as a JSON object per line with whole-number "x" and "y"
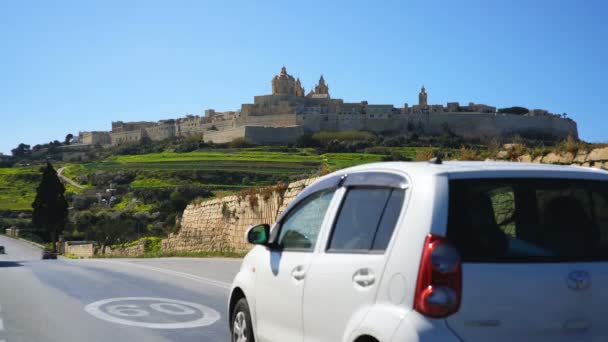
{"x": 150, "y": 312}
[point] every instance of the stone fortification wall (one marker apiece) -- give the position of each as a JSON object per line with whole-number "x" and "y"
{"x": 94, "y": 138}
{"x": 126, "y": 137}
{"x": 220, "y": 125}
{"x": 224, "y": 136}
{"x": 273, "y": 135}
{"x": 220, "y": 224}
{"x": 161, "y": 132}
{"x": 276, "y": 120}
{"x": 468, "y": 125}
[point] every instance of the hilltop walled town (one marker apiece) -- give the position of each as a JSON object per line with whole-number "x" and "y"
{"x": 289, "y": 112}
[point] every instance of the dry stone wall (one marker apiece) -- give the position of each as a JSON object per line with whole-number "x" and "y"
{"x": 220, "y": 224}
{"x": 80, "y": 250}
{"x": 597, "y": 158}
{"x": 126, "y": 252}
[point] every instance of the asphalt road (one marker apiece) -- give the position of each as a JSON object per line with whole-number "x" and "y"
{"x": 167, "y": 299}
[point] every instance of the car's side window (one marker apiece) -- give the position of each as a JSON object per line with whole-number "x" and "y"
{"x": 366, "y": 220}
{"x": 300, "y": 228}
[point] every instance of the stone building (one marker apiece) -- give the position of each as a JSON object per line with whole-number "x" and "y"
{"x": 94, "y": 138}
{"x": 287, "y": 113}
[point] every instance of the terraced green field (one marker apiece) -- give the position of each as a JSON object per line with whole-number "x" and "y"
{"x": 221, "y": 170}
{"x": 18, "y": 187}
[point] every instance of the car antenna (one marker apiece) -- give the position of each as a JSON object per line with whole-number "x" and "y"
{"x": 437, "y": 159}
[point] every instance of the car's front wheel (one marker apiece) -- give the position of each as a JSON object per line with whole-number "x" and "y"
{"x": 242, "y": 330}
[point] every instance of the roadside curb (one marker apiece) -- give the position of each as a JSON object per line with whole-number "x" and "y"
{"x": 29, "y": 242}
{"x": 37, "y": 245}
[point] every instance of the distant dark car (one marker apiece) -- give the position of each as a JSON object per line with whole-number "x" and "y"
{"x": 2, "y": 250}
{"x": 49, "y": 254}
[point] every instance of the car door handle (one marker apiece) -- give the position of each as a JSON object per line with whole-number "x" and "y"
{"x": 364, "y": 277}
{"x": 298, "y": 273}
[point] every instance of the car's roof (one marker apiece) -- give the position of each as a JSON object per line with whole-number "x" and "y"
{"x": 475, "y": 168}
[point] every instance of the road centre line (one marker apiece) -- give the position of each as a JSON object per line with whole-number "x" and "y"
{"x": 174, "y": 273}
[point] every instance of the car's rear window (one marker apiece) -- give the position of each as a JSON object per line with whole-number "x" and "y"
{"x": 529, "y": 220}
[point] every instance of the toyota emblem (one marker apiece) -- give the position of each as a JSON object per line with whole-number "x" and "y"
{"x": 579, "y": 280}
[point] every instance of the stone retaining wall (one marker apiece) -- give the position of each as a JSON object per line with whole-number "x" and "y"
{"x": 597, "y": 158}
{"x": 12, "y": 232}
{"x": 80, "y": 250}
{"x": 126, "y": 252}
{"x": 220, "y": 224}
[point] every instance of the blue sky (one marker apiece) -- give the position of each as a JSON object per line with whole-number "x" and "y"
{"x": 69, "y": 66}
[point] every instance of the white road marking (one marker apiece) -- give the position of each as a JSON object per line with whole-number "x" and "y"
{"x": 175, "y": 273}
{"x": 1, "y": 324}
{"x": 209, "y": 315}
{"x": 181, "y": 309}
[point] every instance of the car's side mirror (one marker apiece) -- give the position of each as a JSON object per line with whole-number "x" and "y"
{"x": 258, "y": 234}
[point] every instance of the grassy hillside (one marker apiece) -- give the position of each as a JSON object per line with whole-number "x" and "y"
{"x": 222, "y": 170}
{"x": 226, "y": 169}
{"x": 18, "y": 187}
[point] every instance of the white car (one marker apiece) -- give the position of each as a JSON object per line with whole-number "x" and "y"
{"x": 432, "y": 251}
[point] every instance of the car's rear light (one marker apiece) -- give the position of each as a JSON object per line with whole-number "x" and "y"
{"x": 438, "y": 288}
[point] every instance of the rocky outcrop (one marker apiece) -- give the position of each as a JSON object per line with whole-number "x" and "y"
{"x": 558, "y": 158}
{"x": 597, "y": 157}
{"x": 220, "y": 224}
{"x": 598, "y": 154}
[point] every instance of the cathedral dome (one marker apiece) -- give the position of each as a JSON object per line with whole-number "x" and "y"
{"x": 283, "y": 83}
{"x": 283, "y": 75}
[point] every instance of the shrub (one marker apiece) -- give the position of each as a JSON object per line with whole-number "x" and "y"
{"x": 240, "y": 143}
{"x": 571, "y": 145}
{"x": 378, "y": 150}
{"x": 250, "y": 194}
{"x": 327, "y": 137}
{"x": 395, "y": 141}
{"x": 514, "y": 110}
{"x": 424, "y": 154}
{"x": 468, "y": 153}
{"x": 106, "y": 178}
{"x": 306, "y": 140}
{"x": 323, "y": 170}
{"x": 226, "y": 213}
{"x": 517, "y": 150}
{"x": 396, "y": 156}
{"x": 83, "y": 202}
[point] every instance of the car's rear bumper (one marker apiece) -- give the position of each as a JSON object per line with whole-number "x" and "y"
{"x": 415, "y": 327}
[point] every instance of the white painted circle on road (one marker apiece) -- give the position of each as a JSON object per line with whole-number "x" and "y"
{"x": 149, "y": 312}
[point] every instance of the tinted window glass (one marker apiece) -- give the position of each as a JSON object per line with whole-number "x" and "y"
{"x": 388, "y": 221}
{"x": 301, "y": 227}
{"x": 510, "y": 220}
{"x": 366, "y": 220}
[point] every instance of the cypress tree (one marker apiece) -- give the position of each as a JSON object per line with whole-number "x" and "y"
{"x": 50, "y": 207}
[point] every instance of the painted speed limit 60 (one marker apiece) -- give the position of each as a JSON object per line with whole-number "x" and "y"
{"x": 155, "y": 313}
